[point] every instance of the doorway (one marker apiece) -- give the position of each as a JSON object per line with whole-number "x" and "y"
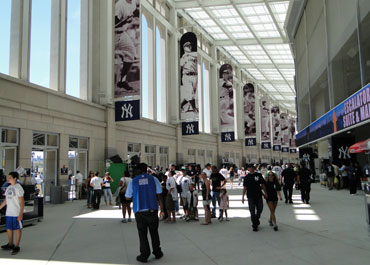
{"x": 77, "y": 161}
{"x": 45, "y": 163}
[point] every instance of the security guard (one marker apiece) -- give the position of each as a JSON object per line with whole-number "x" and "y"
{"x": 145, "y": 191}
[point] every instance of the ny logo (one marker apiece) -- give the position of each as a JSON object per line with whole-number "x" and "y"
{"x": 127, "y": 111}
{"x": 189, "y": 128}
{"x": 228, "y": 137}
{"x": 265, "y": 145}
{"x": 344, "y": 152}
{"x": 250, "y": 142}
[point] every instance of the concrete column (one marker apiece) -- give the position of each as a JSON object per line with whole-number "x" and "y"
{"x": 20, "y": 39}
{"x": 58, "y": 45}
{"x": 110, "y": 133}
{"x": 25, "y": 148}
{"x": 86, "y": 50}
{"x": 214, "y": 94}
{"x": 179, "y": 146}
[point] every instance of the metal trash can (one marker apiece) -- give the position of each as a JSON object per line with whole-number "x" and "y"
{"x": 56, "y": 194}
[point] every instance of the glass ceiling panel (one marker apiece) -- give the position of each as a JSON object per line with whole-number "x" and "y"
{"x": 283, "y": 88}
{"x": 279, "y": 10}
{"x": 278, "y": 97}
{"x": 272, "y": 74}
{"x": 260, "y": 20}
{"x": 256, "y": 74}
{"x": 288, "y": 74}
{"x": 269, "y": 87}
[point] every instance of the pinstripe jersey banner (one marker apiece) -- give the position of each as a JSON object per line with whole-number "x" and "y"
{"x": 276, "y": 129}
{"x": 284, "y": 129}
{"x": 127, "y": 48}
{"x": 292, "y": 132}
{"x": 227, "y": 113}
{"x": 189, "y": 105}
{"x": 249, "y": 115}
{"x": 265, "y": 122}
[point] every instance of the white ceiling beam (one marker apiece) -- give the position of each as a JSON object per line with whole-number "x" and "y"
{"x": 208, "y": 3}
{"x": 242, "y": 42}
{"x": 268, "y": 66}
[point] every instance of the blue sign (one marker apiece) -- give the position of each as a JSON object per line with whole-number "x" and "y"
{"x": 250, "y": 141}
{"x": 277, "y": 147}
{"x": 350, "y": 112}
{"x": 266, "y": 145}
{"x": 227, "y": 137}
{"x": 285, "y": 149}
{"x": 190, "y": 128}
{"x": 127, "y": 110}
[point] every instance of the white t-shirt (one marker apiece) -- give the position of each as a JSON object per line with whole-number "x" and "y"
{"x": 224, "y": 172}
{"x": 13, "y": 204}
{"x": 208, "y": 172}
{"x": 96, "y": 182}
{"x": 171, "y": 183}
{"x": 185, "y": 183}
{"x": 79, "y": 178}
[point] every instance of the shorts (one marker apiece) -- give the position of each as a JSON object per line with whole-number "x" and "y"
{"x": 207, "y": 203}
{"x": 170, "y": 203}
{"x": 184, "y": 202}
{"x": 123, "y": 199}
{"x": 13, "y": 224}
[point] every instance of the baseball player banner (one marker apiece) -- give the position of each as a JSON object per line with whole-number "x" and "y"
{"x": 127, "y": 55}
{"x": 249, "y": 115}
{"x": 189, "y": 105}
{"x": 227, "y": 113}
{"x": 292, "y": 132}
{"x": 284, "y": 129}
{"x": 276, "y": 129}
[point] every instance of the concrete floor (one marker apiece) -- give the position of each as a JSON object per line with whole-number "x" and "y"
{"x": 331, "y": 230}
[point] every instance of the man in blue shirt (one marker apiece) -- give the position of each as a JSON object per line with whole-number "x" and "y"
{"x": 145, "y": 191}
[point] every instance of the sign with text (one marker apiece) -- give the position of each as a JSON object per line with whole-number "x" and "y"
{"x": 350, "y": 112}
{"x": 226, "y": 102}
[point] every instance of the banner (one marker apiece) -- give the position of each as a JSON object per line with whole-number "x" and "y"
{"x": 276, "y": 129}
{"x": 227, "y": 103}
{"x": 293, "y": 151}
{"x": 285, "y": 149}
{"x": 127, "y": 56}
{"x": 350, "y": 112}
{"x": 284, "y": 130}
{"x": 189, "y": 105}
{"x": 265, "y": 122}
{"x": 292, "y": 132}
{"x": 249, "y": 115}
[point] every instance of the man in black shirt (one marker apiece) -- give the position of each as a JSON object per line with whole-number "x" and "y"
{"x": 304, "y": 182}
{"x": 252, "y": 185}
{"x": 217, "y": 181}
{"x": 288, "y": 179}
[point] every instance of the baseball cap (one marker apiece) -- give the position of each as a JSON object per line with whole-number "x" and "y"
{"x": 188, "y": 43}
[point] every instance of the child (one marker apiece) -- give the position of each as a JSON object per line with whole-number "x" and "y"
{"x": 14, "y": 212}
{"x": 224, "y": 205}
{"x": 192, "y": 200}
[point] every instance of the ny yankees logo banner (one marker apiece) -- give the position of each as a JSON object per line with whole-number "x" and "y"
{"x": 265, "y": 122}
{"x": 276, "y": 128}
{"x": 227, "y": 113}
{"x": 249, "y": 115}
{"x": 127, "y": 48}
{"x": 189, "y": 105}
{"x": 285, "y": 149}
{"x": 125, "y": 110}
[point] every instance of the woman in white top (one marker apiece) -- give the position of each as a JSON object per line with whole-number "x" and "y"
{"x": 106, "y": 188}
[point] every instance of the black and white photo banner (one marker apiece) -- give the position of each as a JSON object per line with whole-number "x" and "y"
{"x": 189, "y": 105}
{"x": 276, "y": 129}
{"x": 292, "y": 132}
{"x": 265, "y": 122}
{"x": 249, "y": 115}
{"x": 284, "y": 130}
{"x": 127, "y": 48}
{"x": 227, "y": 113}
